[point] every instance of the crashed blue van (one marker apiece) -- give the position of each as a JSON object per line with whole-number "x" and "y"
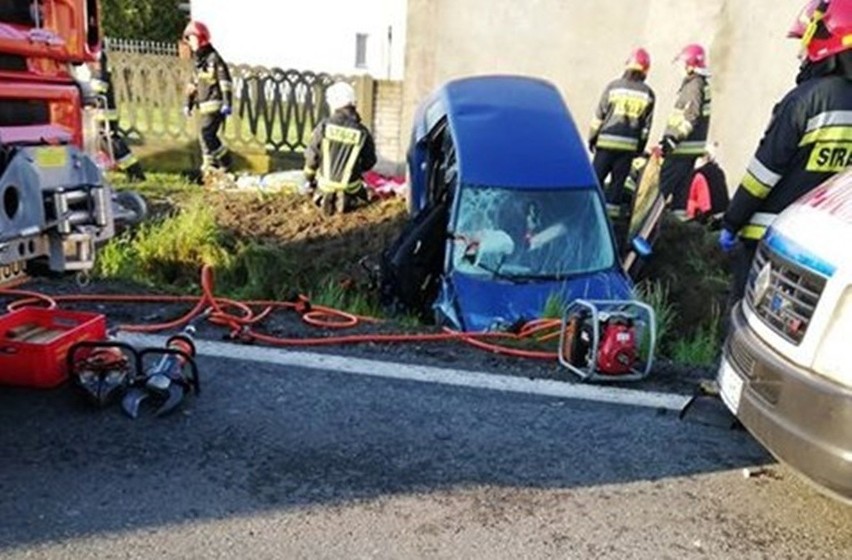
{"x": 506, "y": 212}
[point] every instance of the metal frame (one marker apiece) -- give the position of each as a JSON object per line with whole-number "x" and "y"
{"x": 598, "y": 308}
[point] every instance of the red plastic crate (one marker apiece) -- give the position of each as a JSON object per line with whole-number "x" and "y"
{"x": 34, "y": 343}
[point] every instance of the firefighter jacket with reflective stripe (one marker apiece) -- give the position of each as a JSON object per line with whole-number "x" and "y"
{"x": 341, "y": 149}
{"x": 101, "y": 84}
{"x": 624, "y": 116}
{"x": 210, "y": 86}
{"x": 690, "y": 119}
{"x": 809, "y": 139}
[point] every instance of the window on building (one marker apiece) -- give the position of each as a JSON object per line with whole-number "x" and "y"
{"x": 361, "y": 50}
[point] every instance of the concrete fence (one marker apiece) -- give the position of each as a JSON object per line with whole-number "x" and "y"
{"x": 275, "y": 110}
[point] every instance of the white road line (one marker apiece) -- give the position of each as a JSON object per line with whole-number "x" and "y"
{"x": 427, "y": 374}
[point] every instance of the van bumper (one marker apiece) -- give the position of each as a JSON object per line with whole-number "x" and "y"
{"x": 803, "y": 419}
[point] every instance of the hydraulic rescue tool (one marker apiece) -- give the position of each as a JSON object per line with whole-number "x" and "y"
{"x": 102, "y": 370}
{"x": 173, "y": 375}
{"x": 608, "y": 340}
{"x": 108, "y": 371}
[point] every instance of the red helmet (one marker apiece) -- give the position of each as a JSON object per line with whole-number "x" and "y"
{"x": 693, "y": 56}
{"x": 199, "y": 30}
{"x": 639, "y": 60}
{"x": 828, "y": 28}
{"x": 797, "y": 30}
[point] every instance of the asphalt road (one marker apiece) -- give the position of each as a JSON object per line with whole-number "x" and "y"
{"x": 275, "y": 462}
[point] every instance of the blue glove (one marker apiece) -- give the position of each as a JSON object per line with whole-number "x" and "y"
{"x": 225, "y": 110}
{"x": 727, "y": 240}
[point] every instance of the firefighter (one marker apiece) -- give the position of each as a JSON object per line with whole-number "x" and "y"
{"x": 685, "y": 137}
{"x": 210, "y": 90}
{"x": 619, "y": 131}
{"x": 340, "y": 150}
{"x": 109, "y": 135}
{"x": 808, "y": 139}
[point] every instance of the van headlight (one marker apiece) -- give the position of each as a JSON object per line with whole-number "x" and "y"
{"x": 834, "y": 355}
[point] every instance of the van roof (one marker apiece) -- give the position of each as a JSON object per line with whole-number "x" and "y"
{"x": 515, "y": 131}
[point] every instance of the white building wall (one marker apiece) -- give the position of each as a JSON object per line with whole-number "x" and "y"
{"x": 317, "y": 35}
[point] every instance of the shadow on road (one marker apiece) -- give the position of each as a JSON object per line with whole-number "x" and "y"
{"x": 261, "y": 439}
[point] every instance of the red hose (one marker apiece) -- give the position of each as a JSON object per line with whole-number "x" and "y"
{"x": 240, "y": 318}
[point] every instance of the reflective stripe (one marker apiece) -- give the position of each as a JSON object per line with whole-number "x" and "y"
{"x": 678, "y": 122}
{"x": 829, "y": 118}
{"x": 343, "y": 134}
{"x": 99, "y": 86}
{"x": 210, "y": 106}
{"x": 219, "y": 152}
{"x": 762, "y": 173}
{"x": 705, "y": 110}
{"x": 762, "y": 218}
{"x": 127, "y": 161}
{"x": 614, "y": 142}
{"x": 352, "y": 140}
{"x": 755, "y": 187}
{"x": 309, "y": 173}
{"x": 226, "y": 86}
{"x": 828, "y": 134}
{"x": 106, "y": 115}
{"x": 753, "y": 232}
{"x": 830, "y": 157}
{"x": 695, "y": 147}
{"x": 631, "y": 93}
{"x": 757, "y": 225}
{"x": 595, "y": 126}
{"x": 327, "y": 186}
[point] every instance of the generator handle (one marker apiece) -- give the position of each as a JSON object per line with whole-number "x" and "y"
{"x": 595, "y": 308}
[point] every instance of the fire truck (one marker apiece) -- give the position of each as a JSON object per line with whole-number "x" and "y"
{"x": 56, "y": 206}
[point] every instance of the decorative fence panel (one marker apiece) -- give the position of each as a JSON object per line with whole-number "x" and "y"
{"x": 274, "y": 110}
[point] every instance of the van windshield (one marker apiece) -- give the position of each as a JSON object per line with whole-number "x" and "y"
{"x": 518, "y": 234}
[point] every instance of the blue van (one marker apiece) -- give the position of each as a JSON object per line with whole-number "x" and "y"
{"x": 506, "y": 212}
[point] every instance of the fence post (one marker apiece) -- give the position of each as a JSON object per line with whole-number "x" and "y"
{"x": 366, "y": 92}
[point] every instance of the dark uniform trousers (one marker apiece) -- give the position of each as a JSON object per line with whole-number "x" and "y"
{"x": 675, "y": 176}
{"x": 213, "y": 151}
{"x": 615, "y": 163}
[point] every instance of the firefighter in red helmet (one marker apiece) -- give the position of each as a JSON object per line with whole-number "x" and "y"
{"x": 619, "y": 130}
{"x": 685, "y": 137}
{"x": 210, "y": 91}
{"x": 808, "y": 139}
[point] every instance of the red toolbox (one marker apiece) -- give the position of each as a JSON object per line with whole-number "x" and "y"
{"x": 34, "y": 343}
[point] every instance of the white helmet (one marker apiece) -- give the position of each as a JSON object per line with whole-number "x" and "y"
{"x": 340, "y": 95}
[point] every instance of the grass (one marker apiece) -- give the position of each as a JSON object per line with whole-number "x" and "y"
{"x": 554, "y": 307}
{"x": 698, "y": 348}
{"x": 167, "y": 253}
{"x": 341, "y": 294}
{"x": 656, "y": 294}
{"x": 702, "y": 347}
{"x": 169, "y": 250}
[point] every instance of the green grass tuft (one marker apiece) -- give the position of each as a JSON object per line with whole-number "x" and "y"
{"x": 703, "y": 346}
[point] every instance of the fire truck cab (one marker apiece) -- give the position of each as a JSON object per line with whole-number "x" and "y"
{"x": 55, "y": 204}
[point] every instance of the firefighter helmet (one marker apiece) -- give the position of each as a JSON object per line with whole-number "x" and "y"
{"x": 797, "y": 30}
{"x": 827, "y": 28}
{"x": 694, "y": 57}
{"x": 199, "y": 30}
{"x": 639, "y": 60}
{"x": 340, "y": 95}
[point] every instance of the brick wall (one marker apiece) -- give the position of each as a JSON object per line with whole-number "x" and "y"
{"x": 387, "y": 121}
